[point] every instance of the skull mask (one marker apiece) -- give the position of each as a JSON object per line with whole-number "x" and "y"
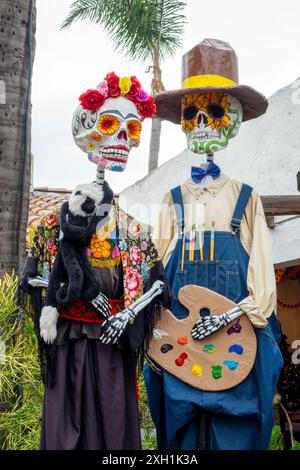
{"x": 210, "y": 120}
{"x": 108, "y": 134}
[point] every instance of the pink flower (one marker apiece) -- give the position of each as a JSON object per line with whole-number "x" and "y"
{"x": 135, "y": 255}
{"x": 144, "y": 245}
{"x": 103, "y": 88}
{"x": 50, "y": 244}
{"x": 143, "y": 95}
{"x": 132, "y": 283}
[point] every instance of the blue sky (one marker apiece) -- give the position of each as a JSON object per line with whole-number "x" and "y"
{"x": 265, "y": 35}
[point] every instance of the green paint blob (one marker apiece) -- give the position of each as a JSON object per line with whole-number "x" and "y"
{"x": 216, "y": 372}
{"x": 210, "y": 348}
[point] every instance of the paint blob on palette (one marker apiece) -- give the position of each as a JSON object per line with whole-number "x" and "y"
{"x": 210, "y": 348}
{"x": 216, "y": 372}
{"x": 235, "y": 328}
{"x": 197, "y": 370}
{"x": 166, "y": 348}
{"x": 232, "y": 365}
{"x": 236, "y": 348}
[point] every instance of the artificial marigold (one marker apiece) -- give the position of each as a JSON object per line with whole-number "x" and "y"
{"x": 134, "y": 129}
{"x": 100, "y": 248}
{"x": 108, "y": 124}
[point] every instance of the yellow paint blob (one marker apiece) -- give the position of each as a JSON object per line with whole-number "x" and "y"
{"x": 197, "y": 369}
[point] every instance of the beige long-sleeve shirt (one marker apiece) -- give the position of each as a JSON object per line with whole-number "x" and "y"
{"x": 216, "y": 203}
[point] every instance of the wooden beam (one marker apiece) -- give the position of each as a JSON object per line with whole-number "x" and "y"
{"x": 281, "y": 205}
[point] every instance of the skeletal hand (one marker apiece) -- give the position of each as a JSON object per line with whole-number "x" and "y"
{"x": 102, "y": 306}
{"x": 115, "y": 326}
{"x": 208, "y": 325}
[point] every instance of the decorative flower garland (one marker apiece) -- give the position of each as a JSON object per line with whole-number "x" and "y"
{"x": 288, "y": 306}
{"x": 112, "y": 87}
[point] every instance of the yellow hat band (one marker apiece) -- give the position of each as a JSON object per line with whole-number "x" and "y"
{"x": 207, "y": 80}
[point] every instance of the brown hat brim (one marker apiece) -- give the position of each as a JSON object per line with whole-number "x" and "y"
{"x": 168, "y": 103}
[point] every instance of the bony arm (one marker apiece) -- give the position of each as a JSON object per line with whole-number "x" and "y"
{"x": 115, "y": 325}
{"x": 208, "y": 325}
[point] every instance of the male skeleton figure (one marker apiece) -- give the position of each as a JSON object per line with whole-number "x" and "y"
{"x": 227, "y": 251}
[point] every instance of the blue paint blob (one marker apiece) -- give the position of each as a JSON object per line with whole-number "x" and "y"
{"x": 232, "y": 365}
{"x": 236, "y": 348}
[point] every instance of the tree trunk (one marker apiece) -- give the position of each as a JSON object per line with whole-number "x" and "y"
{"x": 156, "y": 86}
{"x": 154, "y": 144}
{"x": 17, "y": 46}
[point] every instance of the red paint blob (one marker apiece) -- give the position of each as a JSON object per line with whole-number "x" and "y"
{"x": 183, "y": 356}
{"x": 179, "y": 362}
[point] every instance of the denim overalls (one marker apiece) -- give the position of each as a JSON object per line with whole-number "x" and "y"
{"x": 239, "y": 418}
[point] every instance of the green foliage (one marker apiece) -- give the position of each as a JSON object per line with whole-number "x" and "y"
{"x": 296, "y": 446}
{"x": 147, "y": 426}
{"x": 138, "y": 28}
{"x": 276, "y": 442}
{"x": 21, "y": 389}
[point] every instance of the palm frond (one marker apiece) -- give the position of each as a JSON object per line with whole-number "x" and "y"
{"x": 136, "y": 27}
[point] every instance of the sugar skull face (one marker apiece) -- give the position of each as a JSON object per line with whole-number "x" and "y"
{"x": 210, "y": 120}
{"x": 107, "y": 135}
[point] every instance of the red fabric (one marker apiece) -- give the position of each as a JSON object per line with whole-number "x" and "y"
{"x": 138, "y": 395}
{"x": 86, "y": 312}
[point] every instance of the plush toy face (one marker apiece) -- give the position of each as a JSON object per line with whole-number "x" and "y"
{"x": 209, "y": 120}
{"x": 84, "y": 199}
{"x": 107, "y": 135}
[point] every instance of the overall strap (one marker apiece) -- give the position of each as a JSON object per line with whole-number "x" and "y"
{"x": 241, "y": 204}
{"x": 178, "y": 203}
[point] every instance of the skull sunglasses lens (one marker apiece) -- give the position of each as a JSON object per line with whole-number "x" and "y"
{"x": 189, "y": 113}
{"x": 215, "y": 110}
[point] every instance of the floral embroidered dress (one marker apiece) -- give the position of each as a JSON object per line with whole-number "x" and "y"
{"x": 89, "y": 378}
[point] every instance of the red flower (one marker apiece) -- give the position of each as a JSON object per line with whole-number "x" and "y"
{"x": 91, "y": 100}
{"x": 78, "y": 309}
{"x": 135, "y": 88}
{"x": 132, "y": 282}
{"x": 113, "y": 85}
{"x": 51, "y": 220}
{"x": 147, "y": 108}
{"x": 53, "y": 250}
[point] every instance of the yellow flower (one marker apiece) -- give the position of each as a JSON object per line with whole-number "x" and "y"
{"x": 134, "y": 129}
{"x": 108, "y": 124}
{"x": 220, "y": 101}
{"x": 100, "y": 248}
{"x": 124, "y": 85}
{"x": 91, "y": 146}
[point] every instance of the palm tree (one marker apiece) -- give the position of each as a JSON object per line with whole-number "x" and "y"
{"x": 143, "y": 30}
{"x": 17, "y": 45}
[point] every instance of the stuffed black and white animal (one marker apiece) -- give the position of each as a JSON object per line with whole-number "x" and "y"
{"x": 72, "y": 277}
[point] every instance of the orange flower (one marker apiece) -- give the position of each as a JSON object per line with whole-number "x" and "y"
{"x": 108, "y": 124}
{"x": 95, "y": 136}
{"x": 100, "y": 248}
{"x": 134, "y": 129}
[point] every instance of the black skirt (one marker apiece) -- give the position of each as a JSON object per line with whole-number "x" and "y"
{"x": 92, "y": 403}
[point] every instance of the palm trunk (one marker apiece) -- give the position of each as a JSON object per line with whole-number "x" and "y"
{"x": 154, "y": 144}
{"x": 157, "y": 87}
{"x": 17, "y": 45}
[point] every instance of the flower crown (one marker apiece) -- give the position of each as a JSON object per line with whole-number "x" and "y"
{"x": 113, "y": 87}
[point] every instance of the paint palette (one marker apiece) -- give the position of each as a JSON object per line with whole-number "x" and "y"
{"x": 218, "y": 362}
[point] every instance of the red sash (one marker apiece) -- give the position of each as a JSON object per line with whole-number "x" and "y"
{"x": 86, "y": 312}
